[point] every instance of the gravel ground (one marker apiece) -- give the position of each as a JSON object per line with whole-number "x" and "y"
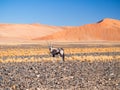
{"x": 69, "y": 75}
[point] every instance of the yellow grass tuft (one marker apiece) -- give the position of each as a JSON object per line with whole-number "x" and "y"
{"x": 19, "y": 53}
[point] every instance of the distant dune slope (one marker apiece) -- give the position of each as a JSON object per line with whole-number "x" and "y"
{"x": 104, "y": 30}
{"x": 25, "y": 31}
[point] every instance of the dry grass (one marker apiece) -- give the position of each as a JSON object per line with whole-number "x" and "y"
{"x": 35, "y": 54}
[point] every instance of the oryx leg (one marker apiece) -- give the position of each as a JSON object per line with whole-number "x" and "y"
{"x": 62, "y": 55}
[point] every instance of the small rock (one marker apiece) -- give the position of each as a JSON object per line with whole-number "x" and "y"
{"x": 38, "y": 89}
{"x": 14, "y": 87}
{"x": 95, "y": 88}
{"x": 8, "y": 88}
{"x": 112, "y": 74}
{"x": 1, "y": 78}
{"x": 36, "y": 71}
{"x": 38, "y": 76}
{"x": 109, "y": 79}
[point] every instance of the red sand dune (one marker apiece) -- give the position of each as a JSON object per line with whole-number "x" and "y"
{"x": 105, "y": 30}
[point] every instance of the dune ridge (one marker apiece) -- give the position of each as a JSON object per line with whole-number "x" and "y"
{"x": 104, "y": 30}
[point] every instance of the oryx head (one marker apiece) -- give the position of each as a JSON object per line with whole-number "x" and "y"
{"x": 50, "y": 46}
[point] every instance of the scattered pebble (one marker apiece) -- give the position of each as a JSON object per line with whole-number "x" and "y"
{"x": 70, "y": 75}
{"x": 38, "y": 76}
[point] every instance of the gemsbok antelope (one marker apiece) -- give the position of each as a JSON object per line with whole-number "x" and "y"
{"x": 57, "y": 51}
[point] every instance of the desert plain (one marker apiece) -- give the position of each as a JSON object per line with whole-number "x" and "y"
{"x": 92, "y": 57}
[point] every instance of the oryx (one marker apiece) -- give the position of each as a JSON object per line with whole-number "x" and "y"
{"x": 57, "y": 51}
